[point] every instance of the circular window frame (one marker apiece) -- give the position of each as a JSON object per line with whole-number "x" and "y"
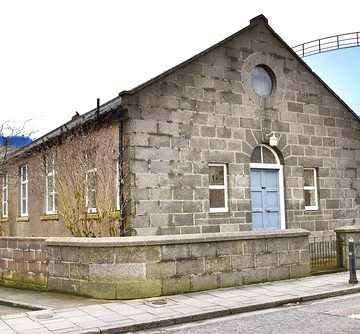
{"x": 265, "y": 76}
{"x": 276, "y": 67}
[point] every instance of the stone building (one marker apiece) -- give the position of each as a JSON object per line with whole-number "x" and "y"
{"x": 243, "y": 136}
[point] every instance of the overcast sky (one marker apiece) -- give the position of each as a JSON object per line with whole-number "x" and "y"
{"x": 58, "y": 57}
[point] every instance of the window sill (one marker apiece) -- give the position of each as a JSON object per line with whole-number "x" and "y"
{"x": 94, "y": 215}
{"x": 53, "y": 216}
{"x": 22, "y": 219}
{"x": 219, "y": 213}
{"x": 4, "y": 220}
{"x": 312, "y": 210}
{"x": 90, "y": 216}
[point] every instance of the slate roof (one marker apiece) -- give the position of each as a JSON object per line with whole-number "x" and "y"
{"x": 115, "y": 103}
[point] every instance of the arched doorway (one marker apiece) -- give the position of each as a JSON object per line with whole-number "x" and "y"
{"x": 267, "y": 189}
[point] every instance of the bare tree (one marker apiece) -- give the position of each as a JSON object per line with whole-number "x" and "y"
{"x": 81, "y": 175}
{"x": 8, "y": 131}
{"x": 9, "y": 134}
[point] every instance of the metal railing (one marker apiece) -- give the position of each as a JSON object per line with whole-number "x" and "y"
{"x": 323, "y": 254}
{"x": 342, "y": 41}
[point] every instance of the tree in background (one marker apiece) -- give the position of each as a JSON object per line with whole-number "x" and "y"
{"x": 12, "y": 137}
{"x": 81, "y": 174}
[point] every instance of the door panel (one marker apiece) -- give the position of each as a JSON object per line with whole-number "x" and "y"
{"x": 272, "y": 199}
{"x": 272, "y": 220}
{"x": 271, "y": 180}
{"x": 257, "y": 200}
{"x": 265, "y": 199}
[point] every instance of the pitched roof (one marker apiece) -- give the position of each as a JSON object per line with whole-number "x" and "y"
{"x": 253, "y": 22}
{"x": 76, "y": 120}
{"x": 115, "y": 103}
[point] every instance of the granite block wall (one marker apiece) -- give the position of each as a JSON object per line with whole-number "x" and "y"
{"x": 139, "y": 267}
{"x": 343, "y": 235}
{"x": 23, "y": 262}
{"x": 206, "y": 111}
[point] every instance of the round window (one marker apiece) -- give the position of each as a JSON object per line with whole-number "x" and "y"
{"x": 262, "y": 80}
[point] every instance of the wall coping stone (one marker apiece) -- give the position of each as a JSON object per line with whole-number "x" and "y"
{"x": 173, "y": 239}
{"x": 24, "y": 238}
{"x": 352, "y": 228}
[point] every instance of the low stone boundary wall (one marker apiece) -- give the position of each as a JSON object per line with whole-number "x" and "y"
{"x": 343, "y": 234}
{"x": 139, "y": 267}
{"x": 23, "y": 262}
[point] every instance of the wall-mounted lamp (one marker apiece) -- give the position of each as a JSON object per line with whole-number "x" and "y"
{"x": 271, "y": 137}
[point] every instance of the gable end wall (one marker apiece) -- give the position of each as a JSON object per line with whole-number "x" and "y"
{"x": 207, "y": 112}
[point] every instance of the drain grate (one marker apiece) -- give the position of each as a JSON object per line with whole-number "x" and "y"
{"x": 159, "y": 302}
{"x": 44, "y": 316}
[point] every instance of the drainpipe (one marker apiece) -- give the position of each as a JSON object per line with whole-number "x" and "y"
{"x": 97, "y": 107}
{"x": 121, "y": 173}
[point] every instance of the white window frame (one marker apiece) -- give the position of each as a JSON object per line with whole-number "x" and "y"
{"x": 314, "y": 187}
{"x": 24, "y": 195}
{"x": 50, "y": 177}
{"x": 5, "y": 196}
{"x": 91, "y": 171}
{"x": 220, "y": 187}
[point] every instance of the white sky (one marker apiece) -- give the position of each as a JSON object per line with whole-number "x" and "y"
{"x": 57, "y": 57}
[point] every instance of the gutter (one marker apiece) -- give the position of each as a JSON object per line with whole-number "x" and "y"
{"x": 78, "y": 120}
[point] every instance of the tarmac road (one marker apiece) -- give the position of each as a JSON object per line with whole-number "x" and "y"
{"x": 335, "y": 315}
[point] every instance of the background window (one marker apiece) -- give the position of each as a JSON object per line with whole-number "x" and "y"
{"x": 91, "y": 190}
{"x": 218, "y": 195}
{"x": 91, "y": 181}
{"x": 24, "y": 191}
{"x": 5, "y": 196}
{"x": 310, "y": 189}
{"x": 50, "y": 186}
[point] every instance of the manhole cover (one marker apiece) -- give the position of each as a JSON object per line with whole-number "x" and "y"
{"x": 160, "y": 302}
{"x": 44, "y": 316}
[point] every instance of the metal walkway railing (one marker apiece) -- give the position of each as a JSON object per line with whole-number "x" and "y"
{"x": 348, "y": 40}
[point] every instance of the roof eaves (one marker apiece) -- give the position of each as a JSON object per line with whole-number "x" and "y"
{"x": 74, "y": 122}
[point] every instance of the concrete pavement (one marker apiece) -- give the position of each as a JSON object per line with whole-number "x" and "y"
{"x": 62, "y": 314}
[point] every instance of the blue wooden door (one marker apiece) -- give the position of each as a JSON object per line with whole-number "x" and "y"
{"x": 265, "y": 199}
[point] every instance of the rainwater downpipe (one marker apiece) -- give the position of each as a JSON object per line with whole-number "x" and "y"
{"x": 121, "y": 173}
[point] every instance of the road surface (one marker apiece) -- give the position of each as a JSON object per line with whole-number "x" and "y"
{"x": 335, "y": 315}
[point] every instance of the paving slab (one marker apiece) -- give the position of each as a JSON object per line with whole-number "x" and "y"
{"x": 64, "y": 314}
